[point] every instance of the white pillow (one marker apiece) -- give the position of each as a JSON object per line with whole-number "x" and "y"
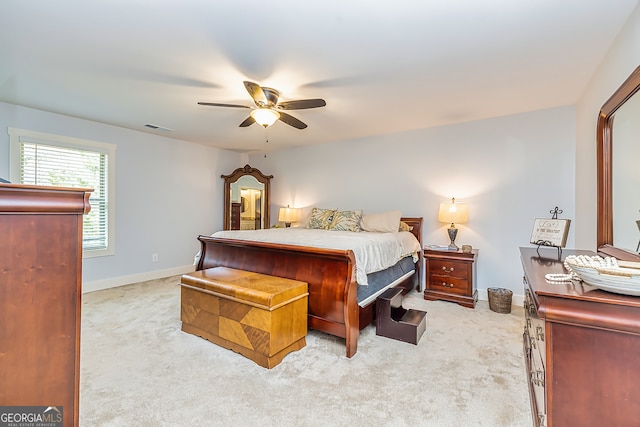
{"x": 386, "y": 222}
{"x": 304, "y": 214}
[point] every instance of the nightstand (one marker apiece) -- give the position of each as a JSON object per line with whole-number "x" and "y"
{"x": 451, "y": 276}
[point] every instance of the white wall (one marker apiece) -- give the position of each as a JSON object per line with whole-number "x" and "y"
{"x": 621, "y": 60}
{"x": 509, "y": 170}
{"x": 167, "y": 193}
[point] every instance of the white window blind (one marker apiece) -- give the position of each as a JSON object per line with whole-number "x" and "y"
{"x": 64, "y": 167}
{"x": 47, "y": 161}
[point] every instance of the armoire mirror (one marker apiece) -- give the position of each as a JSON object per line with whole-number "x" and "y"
{"x": 618, "y": 232}
{"x": 246, "y": 199}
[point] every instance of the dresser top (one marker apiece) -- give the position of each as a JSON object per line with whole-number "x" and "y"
{"x": 448, "y": 254}
{"x": 23, "y": 199}
{"x": 539, "y": 262}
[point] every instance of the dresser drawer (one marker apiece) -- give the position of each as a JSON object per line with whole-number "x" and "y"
{"x": 535, "y": 356}
{"x": 537, "y": 382}
{"x": 534, "y": 326}
{"x": 449, "y": 268}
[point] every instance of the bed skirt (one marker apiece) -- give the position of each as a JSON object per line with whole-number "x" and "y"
{"x": 382, "y": 280}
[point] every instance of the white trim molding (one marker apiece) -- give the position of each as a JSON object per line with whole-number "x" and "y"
{"x": 114, "y": 282}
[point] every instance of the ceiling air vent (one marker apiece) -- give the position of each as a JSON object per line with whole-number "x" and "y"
{"x": 150, "y": 126}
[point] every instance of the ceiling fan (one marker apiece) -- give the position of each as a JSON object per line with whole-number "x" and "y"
{"x": 269, "y": 109}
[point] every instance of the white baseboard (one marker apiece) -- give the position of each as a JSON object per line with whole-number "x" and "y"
{"x": 98, "y": 285}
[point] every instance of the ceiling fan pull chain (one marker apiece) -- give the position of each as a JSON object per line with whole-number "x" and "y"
{"x": 266, "y": 137}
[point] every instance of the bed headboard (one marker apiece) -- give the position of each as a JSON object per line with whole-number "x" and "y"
{"x": 416, "y": 223}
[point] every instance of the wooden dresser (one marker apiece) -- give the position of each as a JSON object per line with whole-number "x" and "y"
{"x": 40, "y": 292}
{"x": 582, "y": 348}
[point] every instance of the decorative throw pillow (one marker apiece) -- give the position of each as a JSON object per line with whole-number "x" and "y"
{"x": 321, "y": 218}
{"x": 346, "y": 221}
{"x": 386, "y": 222}
{"x": 405, "y": 227}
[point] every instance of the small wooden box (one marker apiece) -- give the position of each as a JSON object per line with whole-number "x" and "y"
{"x": 261, "y": 317}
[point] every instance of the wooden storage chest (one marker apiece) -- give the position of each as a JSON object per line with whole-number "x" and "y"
{"x": 262, "y": 317}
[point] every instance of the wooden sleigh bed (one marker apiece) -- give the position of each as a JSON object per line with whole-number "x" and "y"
{"x": 330, "y": 273}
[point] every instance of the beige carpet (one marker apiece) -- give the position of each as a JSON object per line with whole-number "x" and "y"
{"x": 139, "y": 369}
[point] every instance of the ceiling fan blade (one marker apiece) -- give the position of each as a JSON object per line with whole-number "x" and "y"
{"x": 302, "y": 104}
{"x": 215, "y": 104}
{"x": 292, "y": 121}
{"x": 247, "y": 122}
{"x": 256, "y": 93}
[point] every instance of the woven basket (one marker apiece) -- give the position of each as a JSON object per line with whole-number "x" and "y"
{"x": 500, "y": 300}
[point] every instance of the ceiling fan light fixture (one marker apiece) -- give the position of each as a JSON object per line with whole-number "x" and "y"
{"x": 268, "y": 108}
{"x": 265, "y": 116}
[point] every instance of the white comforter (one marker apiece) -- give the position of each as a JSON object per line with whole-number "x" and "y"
{"x": 373, "y": 251}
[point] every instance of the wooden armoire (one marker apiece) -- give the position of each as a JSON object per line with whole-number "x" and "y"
{"x": 40, "y": 296}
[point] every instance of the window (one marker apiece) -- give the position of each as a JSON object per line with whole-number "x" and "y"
{"x": 53, "y": 160}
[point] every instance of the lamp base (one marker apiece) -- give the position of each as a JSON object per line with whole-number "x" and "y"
{"x": 453, "y": 232}
{"x": 287, "y": 224}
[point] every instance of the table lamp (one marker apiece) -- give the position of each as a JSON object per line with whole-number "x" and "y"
{"x": 453, "y": 213}
{"x": 288, "y": 215}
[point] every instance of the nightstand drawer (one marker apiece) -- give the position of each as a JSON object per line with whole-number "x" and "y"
{"x": 449, "y": 284}
{"x": 449, "y": 268}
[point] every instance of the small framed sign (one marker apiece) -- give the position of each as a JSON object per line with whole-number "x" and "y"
{"x": 550, "y": 232}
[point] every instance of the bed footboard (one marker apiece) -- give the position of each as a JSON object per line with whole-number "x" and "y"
{"x": 330, "y": 274}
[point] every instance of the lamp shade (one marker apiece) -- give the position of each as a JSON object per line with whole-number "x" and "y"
{"x": 288, "y": 215}
{"x": 265, "y": 116}
{"x": 452, "y": 212}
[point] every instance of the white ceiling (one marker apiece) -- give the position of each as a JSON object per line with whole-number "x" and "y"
{"x": 382, "y": 66}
